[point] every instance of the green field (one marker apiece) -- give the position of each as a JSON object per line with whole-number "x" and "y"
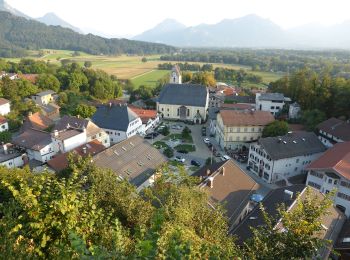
{"x": 131, "y": 67}
{"x": 149, "y": 78}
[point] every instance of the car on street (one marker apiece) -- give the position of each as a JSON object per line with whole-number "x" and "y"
{"x": 225, "y": 158}
{"x": 195, "y": 163}
{"x": 151, "y": 135}
{"x": 180, "y": 159}
{"x": 206, "y": 140}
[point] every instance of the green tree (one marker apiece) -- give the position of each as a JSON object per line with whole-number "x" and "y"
{"x": 87, "y": 64}
{"x": 311, "y": 118}
{"x": 5, "y": 137}
{"x": 296, "y": 236}
{"x": 144, "y": 59}
{"x": 85, "y": 111}
{"x": 169, "y": 152}
{"x": 276, "y": 128}
{"x": 48, "y": 81}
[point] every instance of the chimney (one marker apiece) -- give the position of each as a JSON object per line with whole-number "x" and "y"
{"x": 288, "y": 195}
{"x": 55, "y": 133}
{"x": 110, "y": 104}
{"x": 84, "y": 150}
{"x": 4, "y": 147}
{"x": 210, "y": 182}
{"x": 78, "y": 116}
{"x": 223, "y": 171}
{"x": 208, "y": 172}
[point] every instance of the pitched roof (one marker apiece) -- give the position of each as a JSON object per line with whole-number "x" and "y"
{"x": 246, "y": 118}
{"x": 271, "y": 202}
{"x": 144, "y": 114}
{"x": 33, "y": 139}
{"x": 237, "y": 106}
{"x": 336, "y": 158}
{"x": 115, "y": 117}
{"x": 292, "y": 145}
{"x": 184, "y": 94}
{"x": 30, "y": 77}
{"x": 77, "y": 123}
{"x": 60, "y": 161}
{"x": 10, "y": 153}
{"x": 66, "y": 134}
{"x": 49, "y": 108}
{"x": 45, "y": 93}
{"x": 4, "y": 101}
{"x": 241, "y": 99}
{"x": 336, "y": 127}
{"x": 133, "y": 159}
{"x": 37, "y": 121}
{"x": 231, "y": 189}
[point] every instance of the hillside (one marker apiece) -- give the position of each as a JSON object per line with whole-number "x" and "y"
{"x": 18, "y": 34}
{"x": 53, "y": 19}
{"x": 247, "y": 31}
{"x": 7, "y": 8}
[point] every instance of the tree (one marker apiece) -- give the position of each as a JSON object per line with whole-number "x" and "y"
{"x": 144, "y": 59}
{"x": 48, "y": 81}
{"x": 5, "y": 137}
{"x": 85, "y": 111}
{"x": 296, "y": 237}
{"x": 169, "y": 152}
{"x": 276, "y": 128}
{"x": 87, "y": 64}
{"x": 204, "y": 78}
{"x": 165, "y": 131}
{"x": 311, "y": 118}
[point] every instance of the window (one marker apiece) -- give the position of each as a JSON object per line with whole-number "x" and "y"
{"x": 168, "y": 115}
{"x": 295, "y": 169}
{"x": 335, "y": 182}
{"x": 272, "y": 107}
{"x": 244, "y": 138}
{"x": 178, "y": 111}
{"x": 266, "y": 176}
{"x": 260, "y": 129}
{"x": 245, "y": 129}
{"x": 100, "y": 134}
{"x": 345, "y": 184}
{"x": 162, "y": 108}
{"x": 297, "y": 160}
{"x": 3, "y": 126}
{"x": 237, "y": 138}
{"x": 313, "y": 184}
{"x": 343, "y": 196}
{"x": 168, "y": 109}
{"x": 188, "y": 112}
{"x": 253, "y": 129}
{"x": 238, "y": 129}
{"x": 330, "y": 181}
{"x": 318, "y": 175}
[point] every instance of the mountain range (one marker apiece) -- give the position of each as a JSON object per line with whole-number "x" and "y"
{"x": 249, "y": 31}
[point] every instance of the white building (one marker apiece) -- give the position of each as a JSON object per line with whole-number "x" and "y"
{"x": 118, "y": 121}
{"x": 37, "y": 143}
{"x": 279, "y": 158}
{"x": 334, "y": 131}
{"x": 271, "y": 102}
{"x": 68, "y": 139}
{"x": 331, "y": 172}
{"x": 175, "y": 75}
{"x": 44, "y": 97}
{"x": 4, "y": 107}
{"x": 11, "y": 157}
{"x": 294, "y": 111}
{"x": 93, "y": 132}
{"x": 149, "y": 118}
{"x": 187, "y": 102}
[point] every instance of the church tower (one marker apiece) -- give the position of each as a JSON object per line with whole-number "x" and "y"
{"x": 175, "y": 75}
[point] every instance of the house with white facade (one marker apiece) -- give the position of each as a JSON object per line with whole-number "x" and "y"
{"x": 149, "y": 117}
{"x": 93, "y": 132}
{"x": 332, "y": 172}
{"x": 11, "y": 157}
{"x": 236, "y": 128}
{"x": 294, "y": 111}
{"x": 334, "y": 131}
{"x": 11, "y": 76}
{"x": 67, "y": 139}
{"x": 175, "y": 75}
{"x": 187, "y": 102}
{"x": 4, "y": 107}
{"x": 4, "y": 125}
{"x": 118, "y": 121}
{"x": 279, "y": 158}
{"x": 271, "y": 102}
{"x": 38, "y": 144}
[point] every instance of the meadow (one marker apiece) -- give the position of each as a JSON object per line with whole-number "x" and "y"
{"x": 130, "y": 67}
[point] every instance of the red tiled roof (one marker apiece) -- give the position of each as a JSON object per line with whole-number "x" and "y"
{"x": 60, "y": 162}
{"x": 3, "y": 101}
{"x": 30, "y": 77}
{"x": 3, "y": 120}
{"x": 336, "y": 158}
{"x": 144, "y": 114}
{"x": 246, "y": 118}
{"x": 37, "y": 121}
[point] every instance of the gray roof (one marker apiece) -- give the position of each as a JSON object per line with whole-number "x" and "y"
{"x": 184, "y": 94}
{"x": 46, "y": 92}
{"x": 292, "y": 145}
{"x": 115, "y": 117}
{"x": 241, "y": 99}
{"x": 33, "y": 139}
{"x": 272, "y": 96}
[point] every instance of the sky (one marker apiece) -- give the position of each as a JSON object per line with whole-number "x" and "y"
{"x": 131, "y": 17}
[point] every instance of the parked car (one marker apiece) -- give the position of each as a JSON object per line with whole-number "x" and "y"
{"x": 195, "y": 163}
{"x": 206, "y": 140}
{"x": 180, "y": 159}
{"x": 183, "y": 151}
{"x": 225, "y": 157}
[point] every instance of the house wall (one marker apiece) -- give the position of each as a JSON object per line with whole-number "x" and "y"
{"x": 272, "y": 171}
{"x": 102, "y": 137}
{"x": 135, "y": 127}
{"x": 44, "y": 155}
{"x": 42, "y": 100}
{"x": 5, "y": 109}
{"x": 235, "y": 136}
{"x": 69, "y": 144}
{"x": 147, "y": 183}
{"x": 319, "y": 180}
{"x": 14, "y": 163}
{"x": 328, "y": 139}
{"x": 4, "y": 127}
{"x": 171, "y": 111}
{"x": 267, "y": 105}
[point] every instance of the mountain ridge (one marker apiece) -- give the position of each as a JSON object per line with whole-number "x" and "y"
{"x": 53, "y": 19}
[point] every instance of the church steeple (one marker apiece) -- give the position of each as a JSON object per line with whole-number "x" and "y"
{"x": 175, "y": 75}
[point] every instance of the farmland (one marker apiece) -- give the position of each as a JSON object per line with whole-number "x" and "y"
{"x": 128, "y": 67}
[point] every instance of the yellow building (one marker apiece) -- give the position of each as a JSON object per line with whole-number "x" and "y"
{"x": 236, "y": 128}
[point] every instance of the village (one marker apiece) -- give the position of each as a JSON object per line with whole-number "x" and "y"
{"x": 214, "y": 133}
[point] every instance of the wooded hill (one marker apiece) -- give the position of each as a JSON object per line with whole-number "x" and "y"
{"x": 18, "y": 34}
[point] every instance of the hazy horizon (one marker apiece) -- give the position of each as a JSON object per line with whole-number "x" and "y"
{"x": 128, "y": 18}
